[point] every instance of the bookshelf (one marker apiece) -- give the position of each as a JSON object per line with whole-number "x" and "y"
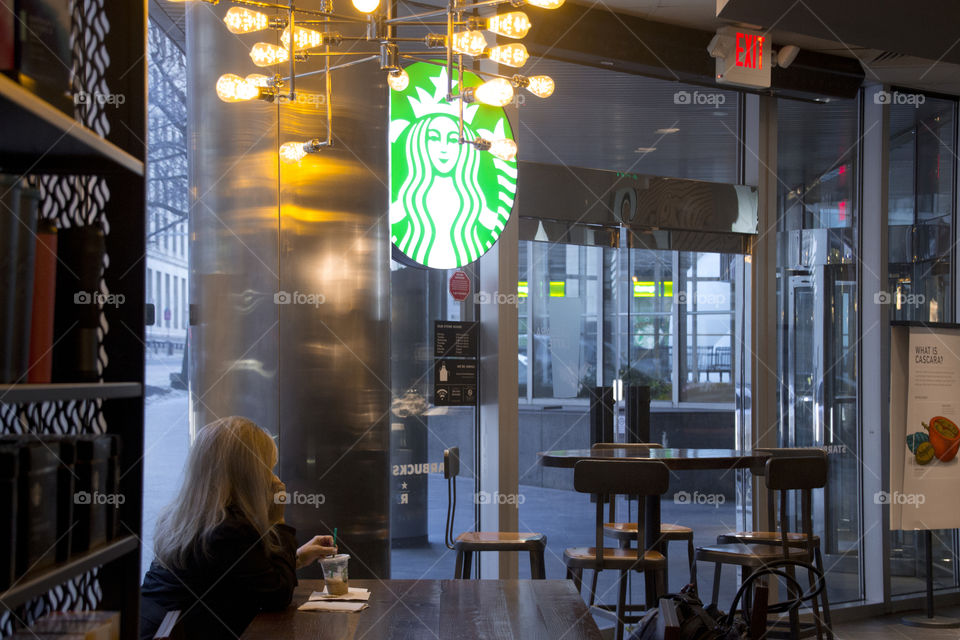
{"x": 91, "y": 169}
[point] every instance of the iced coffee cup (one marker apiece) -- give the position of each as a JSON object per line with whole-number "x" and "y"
{"x": 335, "y": 573}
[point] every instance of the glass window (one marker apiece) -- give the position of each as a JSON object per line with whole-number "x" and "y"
{"x": 166, "y": 430}
{"x": 817, "y": 302}
{"x": 562, "y": 295}
{"x": 651, "y": 323}
{"x": 920, "y": 247}
{"x": 420, "y": 429}
{"x": 594, "y": 316}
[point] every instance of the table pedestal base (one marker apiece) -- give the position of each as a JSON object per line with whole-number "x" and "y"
{"x": 936, "y": 622}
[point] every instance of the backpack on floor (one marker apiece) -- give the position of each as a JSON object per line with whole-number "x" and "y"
{"x": 697, "y": 622}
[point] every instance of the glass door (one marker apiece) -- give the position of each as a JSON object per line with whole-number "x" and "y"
{"x": 801, "y": 337}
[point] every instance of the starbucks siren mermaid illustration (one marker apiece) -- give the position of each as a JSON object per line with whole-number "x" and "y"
{"x": 450, "y": 201}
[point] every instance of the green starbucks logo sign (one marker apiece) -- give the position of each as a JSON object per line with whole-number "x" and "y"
{"x": 449, "y": 202}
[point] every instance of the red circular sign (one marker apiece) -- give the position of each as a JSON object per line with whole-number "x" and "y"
{"x": 459, "y": 286}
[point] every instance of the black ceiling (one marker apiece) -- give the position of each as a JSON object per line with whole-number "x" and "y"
{"x": 928, "y": 29}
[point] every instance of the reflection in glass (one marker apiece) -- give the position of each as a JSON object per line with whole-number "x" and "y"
{"x": 920, "y": 247}
{"x": 817, "y": 304}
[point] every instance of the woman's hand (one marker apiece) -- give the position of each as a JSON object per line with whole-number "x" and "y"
{"x": 318, "y": 547}
{"x": 279, "y": 501}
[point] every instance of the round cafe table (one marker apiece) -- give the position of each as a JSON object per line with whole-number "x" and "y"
{"x": 675, "y": 460}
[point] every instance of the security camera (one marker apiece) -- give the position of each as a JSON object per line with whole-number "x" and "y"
{"x": 786, "y": 55}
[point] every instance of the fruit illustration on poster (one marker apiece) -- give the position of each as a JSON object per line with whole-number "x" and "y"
{"x": 944, "y": 437}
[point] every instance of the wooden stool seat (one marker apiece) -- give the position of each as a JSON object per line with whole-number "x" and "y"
{"x": 623, "y": 532}
{"x": 764, "y": 537}
{"x": 749, "y": 555}
{"x": 476, "y": 541}
{"x": 628, "y": 530}
{"x": 500, "y": 541}
{"x": 613, "y": 558}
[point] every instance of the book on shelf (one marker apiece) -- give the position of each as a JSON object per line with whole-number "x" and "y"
{"x": 80, "y": 253}
{"x": 18, "y": 221}
{"x": 39, "y": 54}
{"x": 9, "y": 471}
{"x": 40, "y": 366}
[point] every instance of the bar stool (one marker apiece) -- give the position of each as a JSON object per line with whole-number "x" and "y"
{"x": 784, "y": 474}
{"x": 607, "y": 479}
{"x": 476, "y": 541}
{"x": 771, "y": 536}
{"x": 624, "y": 532}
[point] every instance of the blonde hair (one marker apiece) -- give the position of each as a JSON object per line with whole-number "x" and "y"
{"x": 229, "y": 466}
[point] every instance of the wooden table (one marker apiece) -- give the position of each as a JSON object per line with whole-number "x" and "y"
{"x": 432, "y": 609}
{"x": 675, "y": 460}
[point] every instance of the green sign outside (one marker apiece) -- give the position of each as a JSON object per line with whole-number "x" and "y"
{"x": 448, "y": 202}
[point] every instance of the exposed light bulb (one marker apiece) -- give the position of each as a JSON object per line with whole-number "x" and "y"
{"x": 242, "y": 20}
{"x": 496, "y": 93}
{"x": 258, "y": 80}
{"x": 265, "y": 54}
{"x": 541, "y": 86}
{"x": 366, "y": 6}
{"x": 304, "y": 38}
{"x": 398, "y": 79}
{"x": 471, "y": 43}
{"x": 511, "y": 55}
{"x": 504, "y": 149}
{"x": 297, "y": 151}
{"x": 233, "y": 88}
{"x": 546, "y": 4}
{"x": 515, "y": 24}
{"x": 293, "y": 151}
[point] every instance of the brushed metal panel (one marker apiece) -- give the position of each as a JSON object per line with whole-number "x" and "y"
{"x": 313, "y": 372}
{"x": 334, "y": 386}
{"x": 233, "y": 232}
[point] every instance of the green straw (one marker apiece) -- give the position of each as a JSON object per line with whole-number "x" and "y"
{"x": 334, "y": 537}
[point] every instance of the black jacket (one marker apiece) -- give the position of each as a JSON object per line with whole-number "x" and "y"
{"x": 220, "y": 592}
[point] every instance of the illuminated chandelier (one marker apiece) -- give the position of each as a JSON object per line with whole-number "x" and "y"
{"x": 311, "y": 31}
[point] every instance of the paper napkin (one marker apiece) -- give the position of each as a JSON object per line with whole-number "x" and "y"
{"x": 332, "y": 605}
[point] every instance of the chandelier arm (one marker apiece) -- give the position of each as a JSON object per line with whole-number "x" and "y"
{"x": 460, "y": 90}
{"x": 324, "y": 54}
{"x": 415, "y": 58}
{"x": 330, "y": 20}
{"x": 479, "y": 5}
{"x": 329, "y": 98}
{"x": 416, "y": 16}
{"x": 449, "y": 47}
{"x": 435, "y": 23}
{"x": 452, "y": 8}
{"x": 329, "y": 14}
{"x": 293, "y": 53}
{"x": 261, "y": 5}
{"x": 334, "y": 67}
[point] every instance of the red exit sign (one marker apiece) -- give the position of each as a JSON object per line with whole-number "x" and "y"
{"x": 749, "y": 51}
{"x": 743, "y": 57}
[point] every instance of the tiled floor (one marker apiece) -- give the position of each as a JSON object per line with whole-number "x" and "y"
{"x": 891, "y": 627}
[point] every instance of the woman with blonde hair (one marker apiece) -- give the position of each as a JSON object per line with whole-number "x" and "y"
{"x": 222, "y": 550}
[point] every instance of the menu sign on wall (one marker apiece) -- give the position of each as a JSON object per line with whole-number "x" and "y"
{"x": 924, "y": 433}
{"x": 455, "y": 367}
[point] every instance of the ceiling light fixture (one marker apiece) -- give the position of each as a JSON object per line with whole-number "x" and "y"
{"x": 461, "y": 34}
